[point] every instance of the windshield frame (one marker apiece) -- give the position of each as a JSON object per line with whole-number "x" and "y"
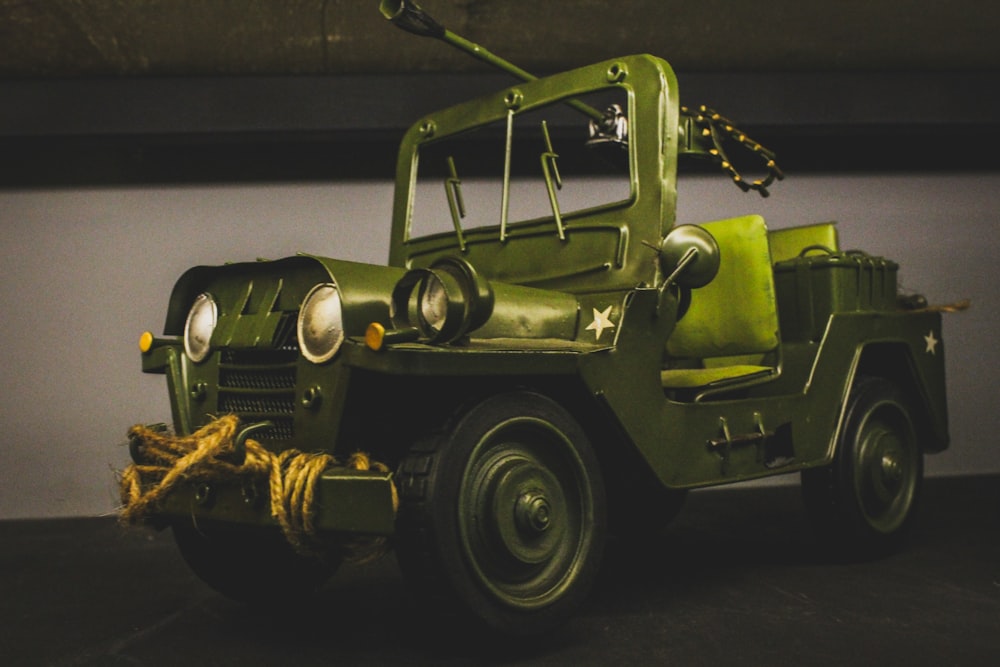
{"x": 504, "y": 109}
{"x": 609, "y": 243}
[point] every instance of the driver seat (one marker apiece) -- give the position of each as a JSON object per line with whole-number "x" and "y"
{"x": 729, "y": 337}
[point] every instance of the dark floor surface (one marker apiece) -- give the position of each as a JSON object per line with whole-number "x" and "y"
{"x": 736, "y": 580}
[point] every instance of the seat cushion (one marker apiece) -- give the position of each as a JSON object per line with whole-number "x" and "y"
{"x": 691, "y": 378}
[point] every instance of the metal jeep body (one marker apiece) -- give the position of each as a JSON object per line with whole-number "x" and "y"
{"x": 539, "y": 365}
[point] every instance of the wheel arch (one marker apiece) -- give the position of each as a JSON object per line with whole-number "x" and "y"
{"x": 429, "y": 404}
{"x": 893, "y": 361}
{"x": 626, "y": 474}
{"x": 629, "y": 480}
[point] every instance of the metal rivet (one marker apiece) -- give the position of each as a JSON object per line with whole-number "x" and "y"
{"x": 204, "y": 495}
{"x": 513, "y": 99}
{"x": 617, "y": 73}
{"x": 312, "y": 397}
{"x": 199, "y": 390}
{"x": 250, "y": 495}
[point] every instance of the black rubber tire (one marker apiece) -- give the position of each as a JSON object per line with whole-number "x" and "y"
{"x": 863, "y": 503}
{"x": 252, "y": 566}
{"x": 503, "y": 519}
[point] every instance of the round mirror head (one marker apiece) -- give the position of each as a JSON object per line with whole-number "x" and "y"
{"x": 699, "y": 270}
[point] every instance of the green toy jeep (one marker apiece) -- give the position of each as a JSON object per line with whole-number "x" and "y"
{"x": 548, "y": 357}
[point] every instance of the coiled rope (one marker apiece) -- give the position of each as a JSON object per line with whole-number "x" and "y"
{"x": 211, "y": 455}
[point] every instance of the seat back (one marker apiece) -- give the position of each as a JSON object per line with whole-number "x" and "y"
{"x": 735, "y": 314}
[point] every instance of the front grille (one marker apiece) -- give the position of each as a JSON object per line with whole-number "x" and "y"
{"x": 259, "y": 385}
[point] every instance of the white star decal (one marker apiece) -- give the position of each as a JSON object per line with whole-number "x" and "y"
{"x": 931, "y": 341}
{"x": 601, "y": 322}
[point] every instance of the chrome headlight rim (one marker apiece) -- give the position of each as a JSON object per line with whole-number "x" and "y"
{"x": 320, "y": 325}
{"x": 199, "y": 326}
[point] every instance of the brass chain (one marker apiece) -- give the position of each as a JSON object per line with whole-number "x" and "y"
{"x": 716, "y": 127}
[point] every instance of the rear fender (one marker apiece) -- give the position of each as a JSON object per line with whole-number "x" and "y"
{"x": 924, "y": 392}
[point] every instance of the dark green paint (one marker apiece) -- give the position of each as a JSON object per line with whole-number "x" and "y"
{"x": 581, "y": 311}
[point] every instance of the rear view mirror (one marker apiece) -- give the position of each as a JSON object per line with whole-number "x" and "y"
{"x": 689, "y": 256}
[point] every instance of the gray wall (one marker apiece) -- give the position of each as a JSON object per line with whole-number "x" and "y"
{"x": 83, "y": 272}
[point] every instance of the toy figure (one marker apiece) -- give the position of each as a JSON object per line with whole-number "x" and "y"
{"x": 543, "y": 361}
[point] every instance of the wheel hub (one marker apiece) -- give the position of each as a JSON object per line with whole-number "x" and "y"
{"x": 521, "y": 510}
{"x": 533, "y": 513}
{"x": 519, "y": 514}
{"x": 892, "y": 471}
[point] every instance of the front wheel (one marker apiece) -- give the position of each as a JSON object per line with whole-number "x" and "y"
{"x": 250, "y": 566}
{"x": 504, "y": 517}
{"x": 864, "y": 501}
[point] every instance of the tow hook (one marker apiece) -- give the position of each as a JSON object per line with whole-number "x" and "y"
{"x": 240, "y": 441}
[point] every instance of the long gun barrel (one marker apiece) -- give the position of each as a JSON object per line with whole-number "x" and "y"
{"x": 410, "y": 17}
{"x": 703, "y": 131}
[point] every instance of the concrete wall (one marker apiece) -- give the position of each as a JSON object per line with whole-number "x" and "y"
{"x": 84, "y": 271}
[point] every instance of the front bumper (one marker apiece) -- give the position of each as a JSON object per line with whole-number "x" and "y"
{"x": 347, "y": 501}
{"x": 219, "y": 474}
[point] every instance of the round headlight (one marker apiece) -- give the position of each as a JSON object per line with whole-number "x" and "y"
{"x": 199, "y": 326}
{"x": 321, "y": 323}
{"x": 444, "y": 302}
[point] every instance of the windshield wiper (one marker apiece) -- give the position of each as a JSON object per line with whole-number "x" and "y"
{"x": 505, "y": 192}
{"x": 453, "y": 190}
{"x": 553, "y": 181}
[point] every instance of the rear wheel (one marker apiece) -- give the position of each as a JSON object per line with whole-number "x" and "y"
{"x": 504, "y": 517}
{"x": 864, "y": 501}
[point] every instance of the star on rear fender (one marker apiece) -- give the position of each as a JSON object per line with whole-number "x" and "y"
{"x": 601, "y": 322}
{"x": 931, "y": 341}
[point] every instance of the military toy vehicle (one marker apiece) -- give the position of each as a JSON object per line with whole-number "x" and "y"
{"x": 547, "y": 359}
